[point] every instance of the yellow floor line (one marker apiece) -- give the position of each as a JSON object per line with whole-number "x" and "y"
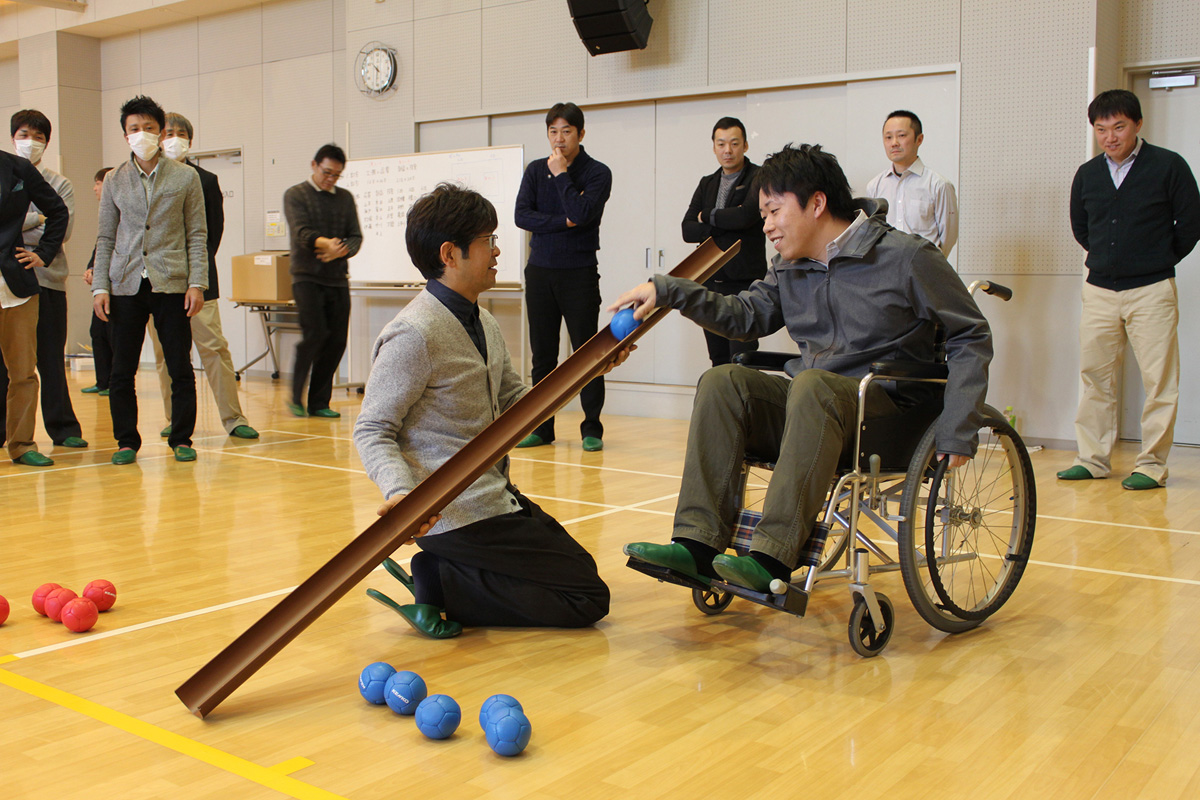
{"x": 264, "y": 776}
{"x": 6, "y": 659}
{"x": 292, "y": 765}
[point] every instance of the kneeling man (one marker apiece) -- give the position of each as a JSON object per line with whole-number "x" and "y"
{"x": 441, "y": 374}
{"x": 850, "y": 290}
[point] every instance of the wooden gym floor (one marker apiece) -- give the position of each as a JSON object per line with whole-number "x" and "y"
{"x": 1084, "y": 686}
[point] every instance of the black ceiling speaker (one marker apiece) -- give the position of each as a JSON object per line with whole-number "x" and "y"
{"x": 611, "y": 26}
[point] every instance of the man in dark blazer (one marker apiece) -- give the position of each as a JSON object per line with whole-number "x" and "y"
{"x": 206, "y": 326}
{"x": 21, "y": 183}
{"x": 720, "y": 210}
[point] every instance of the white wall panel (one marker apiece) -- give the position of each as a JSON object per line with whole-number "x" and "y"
{"x": 121, "y": 61}
{"x": 450, "y": 86}
{"x": 231, "y": 40}
{"x": 927, "y": 34}
{"x": 10, "y": 91}
{"x": 367, "y": 14}
{"x": 297, "y": 28}
{"x": 339, "y": 24}
{"x": 181, "y": 95}
{"x": 436, "y": 8}
{"x": 78, "y": 58}
{"x": 513, "y": 77}
{"x": 380, "y": 126}
{"x": 171, "y": 51}
{"x": 38, "y": 61}
{"x": 677, "y": 56}
{"x": 775, "y": 39}
{"x": 340, "y": 68}
{"x": 1160, "y": 29}
{"x": 453, "y": 134}
{"x": 231, "y": 114}
{"x": 115, "y": 149}
{"x": 297, "y": 120}
{"x": 35, "y": 21}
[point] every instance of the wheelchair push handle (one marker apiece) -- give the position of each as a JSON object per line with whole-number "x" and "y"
{"x": 992, "y": 288}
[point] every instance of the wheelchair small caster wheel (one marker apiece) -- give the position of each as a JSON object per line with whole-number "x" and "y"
{"x": 274, "y": 376}
{"x": 865, "y": 640}
{"x": 711, "y": 601}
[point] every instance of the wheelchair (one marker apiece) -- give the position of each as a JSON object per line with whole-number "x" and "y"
{"x": 959, "y": 538}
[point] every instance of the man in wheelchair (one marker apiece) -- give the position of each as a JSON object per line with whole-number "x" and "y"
{"x": 850, "y": 290}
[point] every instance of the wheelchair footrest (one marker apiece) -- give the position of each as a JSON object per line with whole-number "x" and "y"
{"x": 665, "y": 575}
{"x": 793, "y": 601}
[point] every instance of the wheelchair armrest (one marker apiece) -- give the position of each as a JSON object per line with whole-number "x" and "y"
{"x": 909, "y": 369}
{"x": 764, "y": 360}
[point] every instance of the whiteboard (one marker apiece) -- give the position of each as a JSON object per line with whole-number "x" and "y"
{"x": 385, "y": 188}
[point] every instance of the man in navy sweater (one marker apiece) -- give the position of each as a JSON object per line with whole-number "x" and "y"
{"x": 1136, "y": 210}
{"x": 560, "y": 202}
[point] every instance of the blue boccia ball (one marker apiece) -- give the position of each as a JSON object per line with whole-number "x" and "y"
{"x": 494, "y": 701}
{"x": 404, "y": 691}
{"x": 438, "y": 716}
{"x": 372, "y": 680}
{"x": 507, "y": 730}
{"x": 623, "y": 323}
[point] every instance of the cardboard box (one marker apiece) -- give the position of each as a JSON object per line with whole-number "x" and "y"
{"x": 262, "y": 277}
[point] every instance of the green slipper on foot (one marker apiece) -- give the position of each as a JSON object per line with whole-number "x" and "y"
{"x": 532, "y": 440}
{"x": 423, "y": 618}
{"x": 591, "y": 444}
{"x": 126, "y": 455}
{"x": 72, "y": 441}
{"x": 184, "y": 453}
{"x": 93, "y": 389}
{"x": 103, "y": 392}
{"x": 32, "y": 458}
{"x": 244, "y": 432}
{"x": 673, "y": 556}
{"x": 1075, "y": 473}
{"x": 165, "y": 432}
{"x": 327, "y": 413}
{"x": 398, "y": 572}
{"x": 743, "y": 571}
{"x": 297, "y": 410}
{"x": 1138, "y": 481}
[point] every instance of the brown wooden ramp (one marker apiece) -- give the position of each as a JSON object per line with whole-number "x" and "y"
{"x": 217, "y": 679}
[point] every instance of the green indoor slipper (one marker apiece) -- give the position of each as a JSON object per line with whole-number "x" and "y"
{"x": 398, "y": 572}
{"x": 743, "y": 571}
{"x": 72, "y": 441}
{"x": 592, "y": 444}
{"x": 103, "y": 392}
{"x": 297, "y": 410}
{"x": 244, "y": 432}
{"x": 1138, "y": 481}
{"x": 184, "y": 453}
{"x": 32, "y": 458}
{"x": 673, "y": 556}
{"x": 532, "y": 440}
{"x": 126, "y": 455}
{"x": 1075, "y": 473}
{"x": 327, "y": 413}
{"x": 424, "y": 619}
{"x": 93, "y": 389}
{"x": 165, "y": 432}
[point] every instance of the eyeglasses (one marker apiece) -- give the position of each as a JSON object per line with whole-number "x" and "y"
{"x": 328, "y": 173}
{"x": 491, "y": 239}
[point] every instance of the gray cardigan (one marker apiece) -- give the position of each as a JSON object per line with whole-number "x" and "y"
{"x": 54, "y": 274}
{"x": 168, "y": 236}
{"x": 878, "y": 299}
{"x": 429, "y": 393}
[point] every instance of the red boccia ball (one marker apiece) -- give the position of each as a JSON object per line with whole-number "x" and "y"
{"x": 40, "y": 594}
{"x": 56, "y": 601}
{"x": 102, "y": 593}
{"x": 79, "y": 614}
{"x": 3, "y": 610}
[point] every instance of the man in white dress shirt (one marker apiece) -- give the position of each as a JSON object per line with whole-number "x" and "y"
{"x": 919, "y": 200}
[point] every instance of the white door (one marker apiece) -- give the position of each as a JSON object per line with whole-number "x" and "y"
{"x": 1171, "y": 120}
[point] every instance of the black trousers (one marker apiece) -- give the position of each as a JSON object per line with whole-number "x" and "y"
{"x": 521, "y": 569}
{"x": 324, "y": 324}
{"x": 722, "y": 350}
{"x": 58, "y": 415}
{"x": 101, "y": 351}
{"x": 553, "y": 296}
{"x": 128, "y": 317}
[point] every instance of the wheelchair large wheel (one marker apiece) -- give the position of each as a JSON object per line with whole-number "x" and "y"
{"x": 967, "y": 533}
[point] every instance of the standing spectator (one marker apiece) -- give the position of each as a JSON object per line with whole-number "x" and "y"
{"x": 1135, "y": 209}
{"x": 561, "y": 201}
{"x": 30, "y": 131}
{"x": 323, "y": 222}
{"x": 206, "y": 325}
{"x": 21, "y": 184}
{"x": 919, "y": 200}
{"x": 152, "y": 259}
{"x": 723, "y": 209}
{"x": 101, "y": 343}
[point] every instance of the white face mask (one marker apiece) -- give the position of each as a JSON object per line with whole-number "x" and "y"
{"x": 144, "y": 145}
{"x": 176, "y": 148}
{"x": 30, "y": 149}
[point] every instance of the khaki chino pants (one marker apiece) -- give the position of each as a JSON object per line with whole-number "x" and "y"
{"x": 18, "y": 344}
{"x": 218, "y": 366}
{"x": 1146, "y": 317}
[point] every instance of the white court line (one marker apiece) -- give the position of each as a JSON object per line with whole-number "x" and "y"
{"x": 1118, "y": 525}
{"x": 284, "y": 461}
{"x": 52, "y": 470}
